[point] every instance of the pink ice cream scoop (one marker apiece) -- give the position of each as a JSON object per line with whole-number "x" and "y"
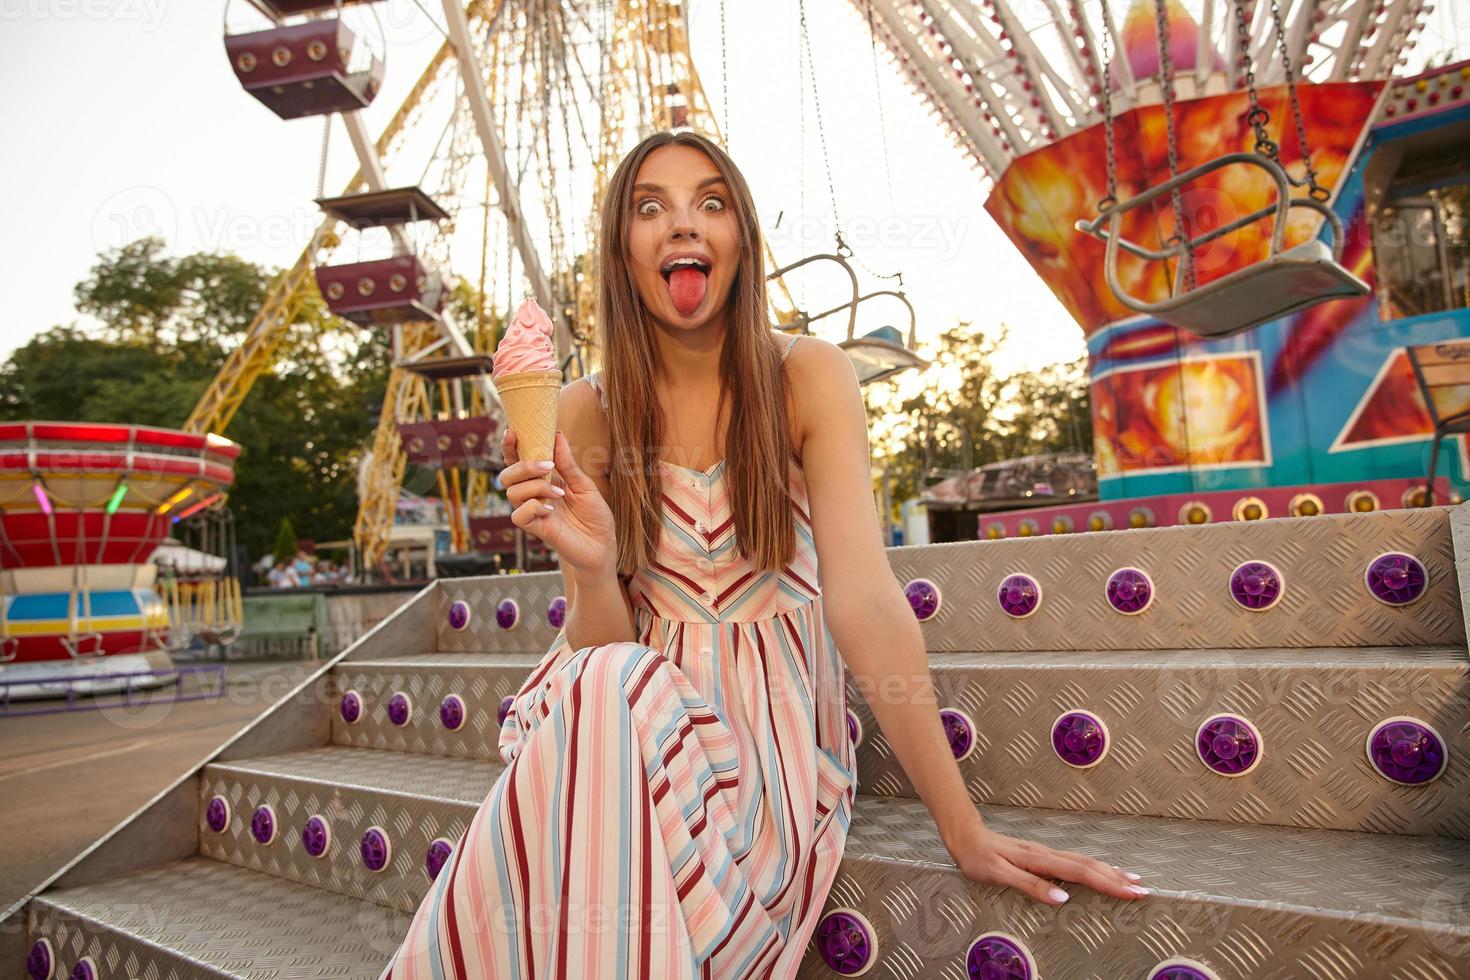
{"x": 527, "y": 344}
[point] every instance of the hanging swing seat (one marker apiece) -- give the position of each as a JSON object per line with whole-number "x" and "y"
{"x": 377, "y": 209}
{"x": 1285, "y": 281}
{"x": 880, "y": 354}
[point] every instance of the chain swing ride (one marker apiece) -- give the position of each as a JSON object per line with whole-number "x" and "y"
{"x": 1285, "y": 280}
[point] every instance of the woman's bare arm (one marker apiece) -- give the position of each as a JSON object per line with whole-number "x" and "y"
{"x": 877, "y": 635}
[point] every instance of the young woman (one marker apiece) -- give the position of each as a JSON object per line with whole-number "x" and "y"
{"x": 680, "y": 777}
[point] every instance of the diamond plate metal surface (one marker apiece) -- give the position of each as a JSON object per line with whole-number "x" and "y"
{"x": 482, "y": 681}
{"x": 531, "y": 634}
{"x": 200, "y": 918}
{"x": 414, "y": 798}
{"x": 1314, "y": 710}
{"x": 1251, "y": 902}
{"x": 1323, "y": 559}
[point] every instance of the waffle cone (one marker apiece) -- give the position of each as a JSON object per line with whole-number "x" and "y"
{"x": 530, "y": 406}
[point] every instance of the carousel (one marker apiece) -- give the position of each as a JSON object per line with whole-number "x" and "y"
{"x": 83, "y": 510}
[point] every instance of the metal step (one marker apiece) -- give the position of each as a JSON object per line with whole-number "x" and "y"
{"x": 201, "y": 918}
{"x": 412, "y": 800}
{"x": 482, "y": 682}
{"x": 1313, "y": 708}
{"x": 1249, "y": 902}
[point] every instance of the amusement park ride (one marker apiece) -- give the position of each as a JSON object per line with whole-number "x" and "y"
{"x": 1268, "y": 718}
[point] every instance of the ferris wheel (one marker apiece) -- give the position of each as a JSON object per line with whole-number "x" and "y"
{"x": 495, "y": 165}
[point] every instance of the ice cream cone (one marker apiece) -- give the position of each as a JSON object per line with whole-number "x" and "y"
{"x": 530, "y": 398}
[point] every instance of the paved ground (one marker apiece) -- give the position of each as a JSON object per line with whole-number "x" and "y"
{"x": 66, "y": 779}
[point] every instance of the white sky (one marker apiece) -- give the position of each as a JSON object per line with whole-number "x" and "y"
{"x": 122, "y": 117}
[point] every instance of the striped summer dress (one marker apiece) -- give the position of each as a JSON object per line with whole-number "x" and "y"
{"x": 671, "y": 808}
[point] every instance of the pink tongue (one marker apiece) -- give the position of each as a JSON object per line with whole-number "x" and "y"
{"x": 686, "y": 287}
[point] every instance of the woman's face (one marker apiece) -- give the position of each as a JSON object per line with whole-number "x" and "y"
{"x": 682, "y": 207}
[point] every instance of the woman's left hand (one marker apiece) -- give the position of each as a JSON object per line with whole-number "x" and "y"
{"x": 994, "y": 859}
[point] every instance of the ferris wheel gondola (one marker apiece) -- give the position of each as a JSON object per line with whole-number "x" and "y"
{"x": 385, "y": 291}
{"x": 1282, "y": 282}
{"x": 308, "y": 62}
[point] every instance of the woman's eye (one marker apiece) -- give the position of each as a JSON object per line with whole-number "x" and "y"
{"x": 642, "y": 206}
{"x": 714, "y": 200}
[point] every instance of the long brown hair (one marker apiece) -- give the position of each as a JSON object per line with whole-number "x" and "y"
{"x": 758, "y": 447}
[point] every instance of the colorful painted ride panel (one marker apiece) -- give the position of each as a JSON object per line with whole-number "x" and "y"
{"x": 1323, "y": 402}
{"x": 1042, "y": 195}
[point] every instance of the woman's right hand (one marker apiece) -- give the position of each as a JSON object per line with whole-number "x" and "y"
{"x": 569, "y": 513}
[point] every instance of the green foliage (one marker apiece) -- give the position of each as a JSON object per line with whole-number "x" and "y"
{"x": 165, "y": 327}
{"x": 285, "y": 546}
{"x": 968, "y": 414}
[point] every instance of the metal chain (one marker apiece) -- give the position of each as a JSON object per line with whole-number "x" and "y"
{"x": 1166, "y": 85}
{"x": 1257, "y": 117}
{"x": 1316, "y": 191}
{"x": 806, "y": 41}
{"x": 1107, "y": 108}
{"x": 724, "y": 76}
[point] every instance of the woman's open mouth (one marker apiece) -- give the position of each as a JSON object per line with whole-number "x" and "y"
{"x": 688, "y": 279}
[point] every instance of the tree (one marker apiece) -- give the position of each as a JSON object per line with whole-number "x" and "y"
{"x": 285, "y": 547}
{"x": 966, "y": 413}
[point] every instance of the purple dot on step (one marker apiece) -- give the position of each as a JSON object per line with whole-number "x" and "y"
{"x": 1407, "y": 751}
{"x": 400, "y": 708}
{"x": 854, "y": 727}
{"x": 960, "y": 731}
{"x": 217, "y": 814}
{"x": 556, "y": 612}
{"x": 40, "y": 961}
{"x": 996, "y": 956}
{"x": 316, "y": 835}
{"x": 263, "y": 824}
{"x": 505, "y": 704}
{"x": 1019, "y": 595}
{"x": 1079, "y": 738}
{"x": 84, "y": 969}
{"x": 375, "y": 849}
{"x": 1396, "y": 579}
{"x": 507, "y": 614}
{"x": 1256, "y": 585}
{"x": 351, "y": 707}
{"x": 440, "y": 849}
{"x": 846, "y": 942}
{"x": 1229, "y": 745}
{"x": 1181, "y": 969}
{"x": 452, "y": 712}
{"x": 459, "y": 614}
{"x": 1130, "y": 591}
{"x": 924, "y": 599}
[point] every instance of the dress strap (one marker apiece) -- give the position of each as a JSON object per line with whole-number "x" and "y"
{"x": 595, "y": 380}
{"x": 790, "y": 345}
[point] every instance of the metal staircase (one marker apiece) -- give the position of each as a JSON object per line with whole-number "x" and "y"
{"x": 1085, "y": 702}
